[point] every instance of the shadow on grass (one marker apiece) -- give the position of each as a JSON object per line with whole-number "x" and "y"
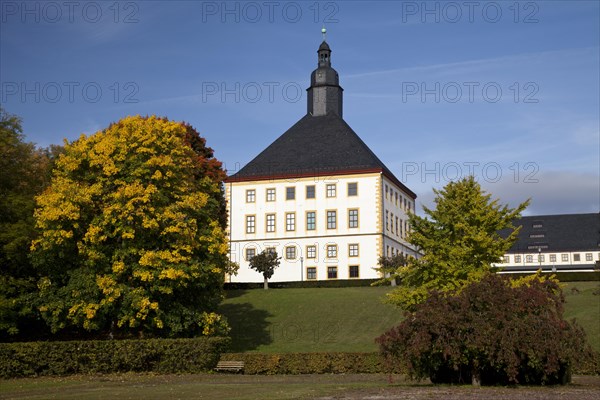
{"x": 249, "y": 326}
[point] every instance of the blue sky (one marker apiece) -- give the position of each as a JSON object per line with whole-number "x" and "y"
{"x": 506, "y": 90}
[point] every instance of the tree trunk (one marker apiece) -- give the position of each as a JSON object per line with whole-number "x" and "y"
{"x": 266, "y": 284}
{"x": 475, "y": 377}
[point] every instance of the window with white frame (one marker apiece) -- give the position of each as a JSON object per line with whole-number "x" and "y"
{"x": 564, "y": 257}
{"x": 517, "y": 259}
{"x": 331, "y": 190}
{"x": 352, "y": 218}
{"x": 311, "y": 220}
{"x": 529, "y": 258}
{"x": 311, "y": 273}
{"x": 290, "y": 222}
{"x": 552, "y": 257}
{"x": 331, "y": 219}
{"x": 311, "y": 251}
{"x": 353, "y": 250}
{"x": 290, "y": 252}
{"x": 589, "y": 257}
{"x": 270, "y": 222}
{"x": 250, "y": 196}
{"x": 250, "y": 252}
{"x": 271, "y": 194}
{"x": 250, "y": 223}
{"x": 331, "y": 251}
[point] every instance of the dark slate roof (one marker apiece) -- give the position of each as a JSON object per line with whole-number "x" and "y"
{"x": 315, "y": 146}
{"x": 324, "y": 46}
{"x": 566, "y": 232}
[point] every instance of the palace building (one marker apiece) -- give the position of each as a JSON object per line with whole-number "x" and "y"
{"x": 318, "y": 196}
{"x": 566, "y": 242}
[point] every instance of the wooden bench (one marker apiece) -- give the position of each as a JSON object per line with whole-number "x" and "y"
{"x": 230, "y": 366}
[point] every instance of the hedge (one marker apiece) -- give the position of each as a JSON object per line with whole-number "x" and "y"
{"x": 110, "y": 356}
{"x": 339, "y": 363}
{"x": 308, "y": 363}
{"x": 563, "y": 276}
{"x": 334, "y": 283}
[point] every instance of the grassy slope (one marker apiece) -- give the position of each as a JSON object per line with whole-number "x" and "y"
{"x": 346, "y": 319}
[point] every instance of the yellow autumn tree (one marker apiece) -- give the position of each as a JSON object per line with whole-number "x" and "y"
{"x": 131, "y": 237}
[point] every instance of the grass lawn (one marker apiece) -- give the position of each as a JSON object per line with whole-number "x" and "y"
{"x": 346, "y": 319}
{"x": 250, "y": 387}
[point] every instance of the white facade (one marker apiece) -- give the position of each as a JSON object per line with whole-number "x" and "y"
{"x": 566, "y": 260}
{"x": 325, "y": 227}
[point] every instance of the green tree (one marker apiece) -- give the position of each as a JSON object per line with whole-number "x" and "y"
{"x": 459, "y": 240}
{"x": 265, "y": 263}
{"x": 130, "y": 234}
{"x": 24, "y": 175}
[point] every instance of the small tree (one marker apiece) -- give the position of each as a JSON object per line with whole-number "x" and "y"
{"x": 389, "y": 268}
{"x": 460, "y": 240}
{"x": 265, "y": 263}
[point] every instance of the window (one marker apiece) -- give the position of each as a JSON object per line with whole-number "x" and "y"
{"x": 387, "y": 220}
{"x": 250, "y": 223}
{"x": 311, "y": 273}
{"x": 311, "y": 251}
{"x": 271, "y": 250}
{"x": 387, "y": 251}
{"x": 553, "y": 258}
{"x": 290, "y": 222}
{"x": 331, "y": 190}
{"x": 250, "y": 252}
{"x": 529, "y": 258}
{"x": 396, "y": 196}
{"x": 537, "y": 225}
{"x": 290, "y": 193}
{"x": 401, "y": 230}
{"x": 353, "y": 271}
{"x": 541, "y": 258}
{"x": 353, "y": 250}
{"x": 405, "y": 202}
{"x": 270, "y": 194}
{"x": 290, "y": 252}
{"x": 353, "y": 189}
{"x": 564, "y": 257}
{"x": 386, "y": 191}
{"x": 517, "y": 259}
{"x": 588, "y": 257}
{"x": 311, "y": 218}
{"x": 270, "y": 222}
{"x": 506, "y": 259}
{"x": 331, "y": 219}
{"x": 352, "y": 218}
{"x": 537, "y": 235}
{"x": 250, "y": 196}
{"x": 397, "y": 231}
{"x": 331, "y": 272}
{"x": 310, "y": 192}
{"x": 576, "y": 257}
{"x": 331, "y": 251}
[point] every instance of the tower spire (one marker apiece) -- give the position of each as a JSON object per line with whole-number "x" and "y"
{"x": 324, "y": 93}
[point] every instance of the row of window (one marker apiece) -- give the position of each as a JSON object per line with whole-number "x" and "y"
{"x": 332, "y": 272}
{"x": 401, "y": 226}
{"x": 396, "y": 197}
{"x": 290, "y": 252}
{"x": 310, "y": 192}
{"x": 311, "y": 221}
{"x": 552, "y": 258}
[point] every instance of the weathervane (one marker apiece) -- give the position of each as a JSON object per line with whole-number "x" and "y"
{"x": 324, "y": 32}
